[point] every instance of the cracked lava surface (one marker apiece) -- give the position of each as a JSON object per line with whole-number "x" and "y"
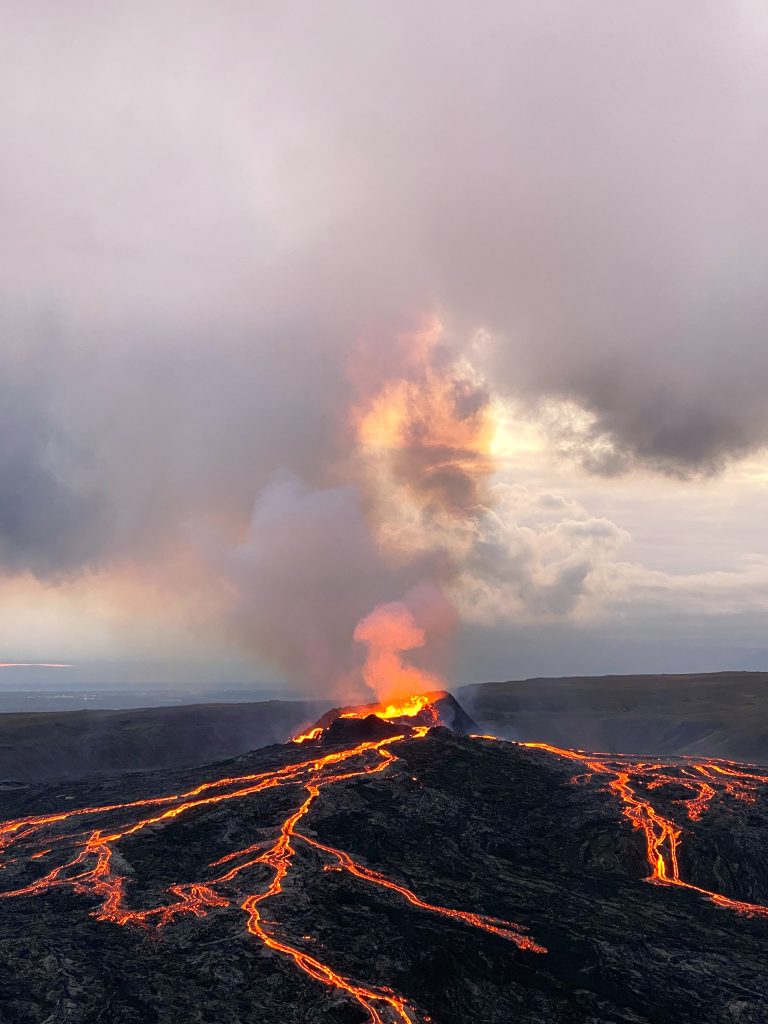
{"x": 63, "y": 852}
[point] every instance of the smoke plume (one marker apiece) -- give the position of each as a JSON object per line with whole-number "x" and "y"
{"x": 273, "y": 275}
{"x": 389, "y": 631}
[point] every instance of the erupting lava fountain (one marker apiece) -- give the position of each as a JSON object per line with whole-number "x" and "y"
{"x": 409, "y": 715}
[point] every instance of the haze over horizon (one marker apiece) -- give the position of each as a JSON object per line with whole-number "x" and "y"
{"x": 304, "y": 313}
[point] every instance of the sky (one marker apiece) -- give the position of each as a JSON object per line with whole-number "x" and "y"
{"x": 308, "y": 310}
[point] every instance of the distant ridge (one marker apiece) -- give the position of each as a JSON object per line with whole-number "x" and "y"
{"x": 45, "y": 745}
{"x": 722, "y": 714}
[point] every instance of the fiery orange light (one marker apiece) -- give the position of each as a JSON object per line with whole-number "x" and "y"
{"x": 86, "y": 864}
{"x": 406, "y": 708}
{"x": 91, "y": 870}
{"x": 310, "y": 734}
{"x": 662, "y": 834}
{"x": 426, "y": 442}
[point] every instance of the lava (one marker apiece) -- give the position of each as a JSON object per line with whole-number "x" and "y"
{"x": 89, "y": 868}
{"x": 310, "y": 734}
{"x": 706, "y": 780}
{"x": 249, "y": 878}
{"x": 494, "y": 925}
{"x": 405, "y": 707}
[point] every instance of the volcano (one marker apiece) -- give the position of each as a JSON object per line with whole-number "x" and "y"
{"x": 407, "y": 715}
{"x": 425, "y": 875}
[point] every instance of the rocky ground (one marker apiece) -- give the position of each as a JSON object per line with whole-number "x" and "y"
{"x": 50, "y": 745}
{"x": 466, "y": 823}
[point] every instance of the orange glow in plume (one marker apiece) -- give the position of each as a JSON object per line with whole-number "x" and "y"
{"x": 388, "y": 631}
{"x": 426, "y": 434}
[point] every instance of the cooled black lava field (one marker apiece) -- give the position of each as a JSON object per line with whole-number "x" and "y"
{"x": 313, "y": 883}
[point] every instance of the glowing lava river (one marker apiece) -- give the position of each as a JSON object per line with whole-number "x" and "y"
{"x": 88, "y": 866}
{"x": 78, "y": 850}
{"x": 704, "y": 780}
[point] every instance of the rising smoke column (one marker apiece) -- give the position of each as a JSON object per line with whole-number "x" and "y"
{"x": 389, "y": 631}
{"x": 424, "y": 461}
{"x": 403, "y": 505}
{"x": 412, "y": 513}
{"x": 428, "y": 437}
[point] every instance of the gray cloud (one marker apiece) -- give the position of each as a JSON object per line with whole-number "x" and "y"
{"x": 208, "y": 210}
{"x": 307, "y": 567}
{"x": 52, "y": 516}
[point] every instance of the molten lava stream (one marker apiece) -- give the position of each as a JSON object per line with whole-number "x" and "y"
{"x": 90, "y": 869}
{"x": 662, "y": 835}
{"x": 494, "y": 925}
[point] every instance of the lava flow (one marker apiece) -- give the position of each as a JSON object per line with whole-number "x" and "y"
{"x": 77, "y": 850}
{"x": 706, "y": 780}
{"x": 87, "y": 865}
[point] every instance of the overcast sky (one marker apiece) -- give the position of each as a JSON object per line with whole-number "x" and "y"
{"x": 309, "y": 307}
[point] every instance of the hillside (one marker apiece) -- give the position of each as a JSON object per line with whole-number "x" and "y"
{"x": 71, "y": 743}
{"x": 721, "y": 714}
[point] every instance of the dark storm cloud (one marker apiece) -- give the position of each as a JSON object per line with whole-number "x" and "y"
{"x": 205, "y": 209}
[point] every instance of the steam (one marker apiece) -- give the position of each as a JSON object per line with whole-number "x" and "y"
{"x": 393, "y": 539}
{"x": 389, "y": 631}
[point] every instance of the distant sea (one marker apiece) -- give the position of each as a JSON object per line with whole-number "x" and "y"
{"x": 115, "y": 699}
